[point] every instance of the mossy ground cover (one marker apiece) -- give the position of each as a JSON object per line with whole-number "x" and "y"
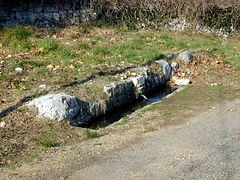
{"x": 61, "y": 57}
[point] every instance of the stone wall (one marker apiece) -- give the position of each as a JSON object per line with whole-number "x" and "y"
{"x": 45, "y": 14}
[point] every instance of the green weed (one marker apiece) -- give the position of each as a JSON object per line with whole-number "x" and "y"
{"x": 83, "y": 46}
{"x": 65, "y": 53}
{"x": 101, "y": 50}
{"x": 18, "y": 32}
{"x": 47, "y": 143}
{"x": 17, "y": 37}
{"x": 4, "y": 78}
{"x": 48, "y": 45}
{"x": 90, "y": 134}
{"x": 31, "y": 63}
{"x": 122, "y": 122}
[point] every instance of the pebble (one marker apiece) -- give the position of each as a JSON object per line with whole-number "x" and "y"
{"x": 42, "y": 86}
{"x": 50, "y": 66}
{"x": 2, "y": 124}
{"x": 19, "y": 69}
{"x": 175, "y": 66}
{"x": 134, "y": 74}
{"x": 181, "y": 82}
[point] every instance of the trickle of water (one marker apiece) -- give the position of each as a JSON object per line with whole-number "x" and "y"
{"x": 144, "y": 97}
{"x": 116, "y": 115}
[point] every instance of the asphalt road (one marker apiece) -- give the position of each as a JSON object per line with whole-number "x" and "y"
{"x": 206, "y": 147}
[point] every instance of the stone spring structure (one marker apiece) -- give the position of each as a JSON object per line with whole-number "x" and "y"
{"x": 45, "y": 13}
{"x": 62, "y": 106}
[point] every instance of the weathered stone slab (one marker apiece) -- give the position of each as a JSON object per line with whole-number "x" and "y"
{"x": 56, "y": 106}
{"x": 167, "y": 69}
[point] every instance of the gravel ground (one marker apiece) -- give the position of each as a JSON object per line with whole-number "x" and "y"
{"x": 206, "y": 147}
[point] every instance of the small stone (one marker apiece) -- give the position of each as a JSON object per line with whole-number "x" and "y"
{"x": 186, "y": 56}
{"x": 134, "y": 74}
{"x": 181, "y": 82}
{"x": 175, "y": 66}
{"x": 42, "y": 86}
{"x": 138, "y": 81}
{"x": 2, "y": 124}
{"x": 214, "y": 84}
{"x": 18, "y": 69}
{"x": 50, "y": 66}
{"x": 71, "y": 67}
{"x": 107, "y": 89}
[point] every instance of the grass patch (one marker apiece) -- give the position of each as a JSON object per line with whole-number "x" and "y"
{"x": 66, "y": 53}
{"x": 18, "y": 32}
{"x": 47, "y": 143}
{"x": 31, "y": 63}
{"x": 102, "y": 50}
{"x": 122, "y": 122}
{"x": 17, "y": 37}
{"x": 83, "y": 46}
{"x": 47, "y": 45}
{"x": 90, "y": 134}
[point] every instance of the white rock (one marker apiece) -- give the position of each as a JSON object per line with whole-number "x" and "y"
{"x": 42, "y": 86}
{"x": 2, "y": 124}
{"x": 138, "y": 81}
{"x": 19, "y": 69}
{"x": 175, "y": 66}
{"x": 133, "y": 74}
{"x": 56, "y": 106}
{"x": 181, "y": 82}
{"x": 186, "y": 56}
